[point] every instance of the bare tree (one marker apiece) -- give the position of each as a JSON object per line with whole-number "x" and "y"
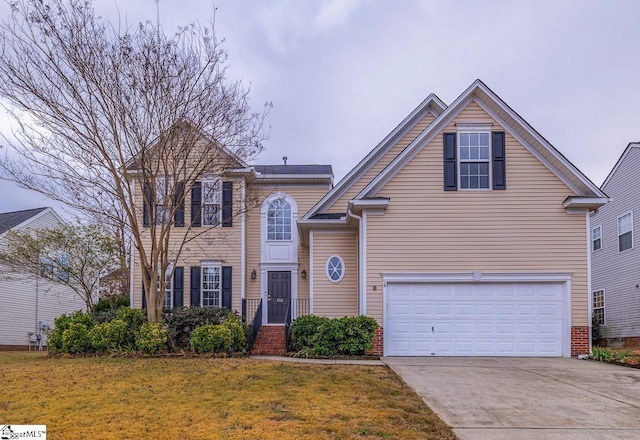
{"x": 102, "y": 116}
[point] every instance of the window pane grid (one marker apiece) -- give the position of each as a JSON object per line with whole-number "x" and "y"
{"x": 596, "y": 237}
{"x": 598, "y": 307}
{"x": 279, "y": 220}
{"x": 210, "y": 286}
{"x": 625, "y": 232}
{"x": 211, "y": 203}
{"x": 474, "y": 160}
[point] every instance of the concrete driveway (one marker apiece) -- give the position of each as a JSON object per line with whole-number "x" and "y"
{"x": 527, "y": 398}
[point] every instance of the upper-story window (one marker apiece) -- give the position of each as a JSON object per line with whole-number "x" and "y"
{"x": 211, "y": 202}
{"x": 279, "y": 220}
{"x": 596, "y": 238}
{"x": 475, "y": 160}
{"x": 625, "y": 232}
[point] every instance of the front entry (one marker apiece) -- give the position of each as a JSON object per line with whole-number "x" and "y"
{"x": 279, "y": 296}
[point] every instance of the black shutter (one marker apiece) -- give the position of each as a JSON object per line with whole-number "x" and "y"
{"x": 178, "y": 218}
{"x": 450, "y": 165}
{"x": 147, "y": 205}
{"x": 226, "y": 286}
{"x": 499, "y": 168}
{"x": 144, "y": 298}
{"x": 196, "y": 197}
{"x": 178, "y": 287}
{"x": 227, "y": 204}
{"x": 195, "y": 286}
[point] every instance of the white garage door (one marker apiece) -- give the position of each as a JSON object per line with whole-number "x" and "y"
{"x": 466, "y": 319}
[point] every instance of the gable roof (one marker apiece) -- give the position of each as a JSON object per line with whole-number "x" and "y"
{"x": 432, "y": 104}
{"x": 9, "y": 220}
{"x": 619, "y": 162}
{"x": 512, "y": 122}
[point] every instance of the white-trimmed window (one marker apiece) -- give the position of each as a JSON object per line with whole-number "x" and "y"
{"x": 596, "y": 238}
{"x": 168, "y": 286}
{"x": 211, "y": 202}
{"x": 475, "y": 160}
{"x": 625, "y": 232}
{"x": 164, "y": 188}
{"x": 211, "y": 285}
{"x": 598, "y": 307}
{"x": 279, "y": 220}
{"x": 335, "y": 268}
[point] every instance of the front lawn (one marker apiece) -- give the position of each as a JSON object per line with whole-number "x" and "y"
{"x": 194, "y": 398}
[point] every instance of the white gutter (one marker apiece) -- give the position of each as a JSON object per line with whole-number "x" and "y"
{"x": 362, "y": 261}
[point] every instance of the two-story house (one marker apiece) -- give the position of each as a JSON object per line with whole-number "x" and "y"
{"x": 463, "y": 233}
{"x": 615, "y": 260}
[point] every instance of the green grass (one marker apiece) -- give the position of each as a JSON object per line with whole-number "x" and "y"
{"x": 197, "y": 398}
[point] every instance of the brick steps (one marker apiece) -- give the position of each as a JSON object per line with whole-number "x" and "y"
{"x": 271, "y": 341}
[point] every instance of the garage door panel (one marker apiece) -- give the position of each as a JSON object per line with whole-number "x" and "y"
{"x": 474, "y": 319}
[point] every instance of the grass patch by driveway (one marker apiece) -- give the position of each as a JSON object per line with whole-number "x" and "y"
{"x": 124, "y": 398}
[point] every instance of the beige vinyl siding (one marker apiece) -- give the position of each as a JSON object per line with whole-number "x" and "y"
{"x": 341, "y": 204}
{"x": 205, "y": 243}
{"x": 330, "y": 299}
{"x": 618, "y": 273}
{"x": 521, "y": 229}
{"x": 306, "y": 196}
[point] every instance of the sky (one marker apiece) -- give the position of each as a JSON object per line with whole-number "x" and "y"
{"x": 341, "y": 74}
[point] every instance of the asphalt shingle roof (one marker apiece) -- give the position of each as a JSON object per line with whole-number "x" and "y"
{"x": 294, "y": 169}
{"x": 10, "y": 220}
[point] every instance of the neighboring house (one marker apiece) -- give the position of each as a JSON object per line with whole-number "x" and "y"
{"x": 27, "y": 302}
{"x": 463, "y": 233}
{"x": 615, "y": 259}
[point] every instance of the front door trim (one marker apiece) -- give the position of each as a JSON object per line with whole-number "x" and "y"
{"x": 264, "y": 286}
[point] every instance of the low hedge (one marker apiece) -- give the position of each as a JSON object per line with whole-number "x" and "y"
{"x": 317, "y": 336}
{"x": 181, "y": 321}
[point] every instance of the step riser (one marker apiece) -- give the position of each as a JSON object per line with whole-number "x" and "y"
{"x": 270, "y": 341}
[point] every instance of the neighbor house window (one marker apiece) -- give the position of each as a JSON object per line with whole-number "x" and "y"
{"x": 596, "y": 238}
{"x": 598, "y": 307}
{"x": 211, "y": 284}
{"x": 335, "y": 268}
{"x": 211, "y": 203}
{"x": 168, "y": 286}
{"x": 625, "y": 232}
{"x": 475, "y": 154}
{"x": 279, "y": 220}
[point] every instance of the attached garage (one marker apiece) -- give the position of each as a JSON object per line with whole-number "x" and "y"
{"x": 476, "y": 318}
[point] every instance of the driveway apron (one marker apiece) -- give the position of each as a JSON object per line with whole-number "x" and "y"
{"x": 527, "y": 398}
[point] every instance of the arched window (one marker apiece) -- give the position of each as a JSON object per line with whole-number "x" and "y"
{"x": 279, "y": 220}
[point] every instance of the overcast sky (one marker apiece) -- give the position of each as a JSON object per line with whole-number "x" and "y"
{"x": 343, "y": 73}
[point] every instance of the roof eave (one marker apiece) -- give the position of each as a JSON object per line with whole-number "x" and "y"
{"x": 590, "y": 203}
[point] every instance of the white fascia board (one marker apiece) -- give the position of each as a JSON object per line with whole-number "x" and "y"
{"x": 37, "y": 216}
{"x": 374, "y": 155}
{"x": 476, "y": 277}
{"x": 294, "y": 176}
{"x": 368, "y": 204}
{"x": 585, "y": 202}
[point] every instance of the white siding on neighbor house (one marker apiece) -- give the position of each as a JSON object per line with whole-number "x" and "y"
{"x": 18, "y": 297}
{"x": 618, "y": 273}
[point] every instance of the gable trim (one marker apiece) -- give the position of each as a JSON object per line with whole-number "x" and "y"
{"x": 623, "y": 156}
{"x": 447, "y": 116}
{"x": 35, "y": 217}
{"x": 427, "y": 106}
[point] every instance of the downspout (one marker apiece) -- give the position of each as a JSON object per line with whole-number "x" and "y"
{"x": 589, "y": 292}
{"x": 361, "y": 262}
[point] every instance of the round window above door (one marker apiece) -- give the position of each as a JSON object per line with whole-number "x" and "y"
{"x": 335, "y": 268}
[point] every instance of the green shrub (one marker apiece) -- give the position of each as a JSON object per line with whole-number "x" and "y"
{"x": 238, "y": 333}
{"x": 112, "y": 302}
{"x": 75, "y": 339}
{"x": 111, "y": 335}
{"x": 55, "y": 339}
{"x": 211, "y": 338}
{"x": 151, "y": 338}
{"x": 303, "y": 329}
{"x": 333, "y": 337}
{"x": 134, "y": 318}
{"x": 601, "y": 354}
{"x": 181, "y": 321}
